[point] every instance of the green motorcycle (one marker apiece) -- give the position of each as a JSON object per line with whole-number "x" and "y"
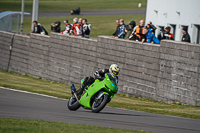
{"x": 96, "y": 95}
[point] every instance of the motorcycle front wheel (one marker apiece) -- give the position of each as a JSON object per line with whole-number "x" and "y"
{"x": 99, "y": 103}
{"x": 73, "y": 104}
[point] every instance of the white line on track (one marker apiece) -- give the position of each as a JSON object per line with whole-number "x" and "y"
{"x": 32, "y": 93}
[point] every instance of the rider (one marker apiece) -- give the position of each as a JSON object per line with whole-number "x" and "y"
{"x": 113, "y": 70}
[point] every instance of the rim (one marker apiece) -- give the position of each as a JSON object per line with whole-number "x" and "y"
{"x": 72, "y": 101}
{"x": 97, "y": 102}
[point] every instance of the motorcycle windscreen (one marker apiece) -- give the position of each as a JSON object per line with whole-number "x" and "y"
{"x": 111, "y": 82}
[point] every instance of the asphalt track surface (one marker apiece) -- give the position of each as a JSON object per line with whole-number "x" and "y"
{"x": 87, "y": 13}
{"x": 15, "y": 104}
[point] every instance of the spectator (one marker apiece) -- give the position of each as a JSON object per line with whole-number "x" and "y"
{"x": 128, "y": 31}
{"x": 139, "y": 31}
{"x": 80, "y": 21}
{"x": 67, "y": 28}
{"x": 122, "y": 29}
{"x": 186, "y": 36}
{"x": 116, "y": 33}
{"x": 56, "y": 27}
{"x": 132, "y": 36}
{"x": 132, "y": 24}
{"x": 36, "y": 28}
{"x": 151, "y": 27}
{"x": 76, "y": 28}
{"x": 165, "y": 34}
{"x": 86, "y": 28}
{"x": 149, "y": 36}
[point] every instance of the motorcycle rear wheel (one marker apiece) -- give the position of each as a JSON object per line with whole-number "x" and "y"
{"x": 100, "y": 103}
{"x": 73, "y": 104}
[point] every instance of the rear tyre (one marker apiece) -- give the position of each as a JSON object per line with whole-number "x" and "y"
{"x": 73, "y": 104}
{"x": 100, "y": 103}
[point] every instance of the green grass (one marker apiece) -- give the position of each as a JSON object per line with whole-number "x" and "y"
{"x": 11, "y": 125}
{"x": 24, "y": 82}
{"x": 67, "y": 5}
{"x": 101, "y": 25}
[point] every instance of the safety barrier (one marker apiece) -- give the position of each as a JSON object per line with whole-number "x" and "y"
{"x": 168, "y": 72}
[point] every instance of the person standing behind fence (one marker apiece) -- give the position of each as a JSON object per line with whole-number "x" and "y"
{"x": 122, "y": 29}
{"x": 132, "y": 24}
{"x": 128, "y": 31}
{"x": 149, "y": 36}
{"x": 132, "y": 35}
{"x": 186, "y": 36}
{"x": 151, "y": 27}
{"x": 36, "y": 28}
{"x": 56, "y": 27}
{"x": 116, "y": 33}
{"x": 76, "y": 28}
{"x": 139, "y": 31}
{"x": 67, "y": 28}
{"x": 165, "y": 34}
{"x": 80, "y": 22}
{"x": 86, "y": 28}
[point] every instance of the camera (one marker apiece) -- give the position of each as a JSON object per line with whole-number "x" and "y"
{"x": 152, "y": 26}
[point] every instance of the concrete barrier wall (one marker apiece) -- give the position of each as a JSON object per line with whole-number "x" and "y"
{"x": 168, "y": 72}
{"x": 6, "y": 40}
{"x": 20, "y": 54}
{"x": 179, "y": 73}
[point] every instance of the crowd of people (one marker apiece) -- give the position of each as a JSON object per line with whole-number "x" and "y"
{"x": 140, "y": 32}
{"x": 144, "y": 33}
{"x": 79, "y": 28}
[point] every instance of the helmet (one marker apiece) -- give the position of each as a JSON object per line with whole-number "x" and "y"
{"x": 114, "y": 70}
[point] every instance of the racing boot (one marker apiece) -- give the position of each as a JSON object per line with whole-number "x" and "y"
{"x": 84, "y": 85}
{"x": 73, "y": 89}
{"x": 79, "y": 92}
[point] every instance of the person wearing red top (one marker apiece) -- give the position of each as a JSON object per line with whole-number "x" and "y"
{"x": 76, "y": 28}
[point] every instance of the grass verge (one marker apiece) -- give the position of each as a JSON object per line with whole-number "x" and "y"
{"x": 100, "y": 25}
{"x": 24, "y": 82}
{"x": 67, "y": 5}
{"x": 12, "y": 125}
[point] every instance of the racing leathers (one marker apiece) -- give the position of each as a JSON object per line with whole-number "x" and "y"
{"x": 86, "y": 30}
{"x": 122, "y": 31}
{"x": 67, "y": 29}
{"x": 137, "y": 33}
{"x": 77, "y": 29}
{"x": 89, "y": 80}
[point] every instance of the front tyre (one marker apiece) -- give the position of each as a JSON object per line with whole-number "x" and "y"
{"x": 73, "y": 104}
{"x": 99, "y": 103}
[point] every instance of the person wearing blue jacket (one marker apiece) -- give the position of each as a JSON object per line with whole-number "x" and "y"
{"x": 150, "y": 37}
{"x": 122, "y": 29}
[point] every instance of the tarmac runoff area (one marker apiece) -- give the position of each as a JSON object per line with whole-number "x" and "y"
{"x": 27, "y": 105}
{"x": 87, "y": 13}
